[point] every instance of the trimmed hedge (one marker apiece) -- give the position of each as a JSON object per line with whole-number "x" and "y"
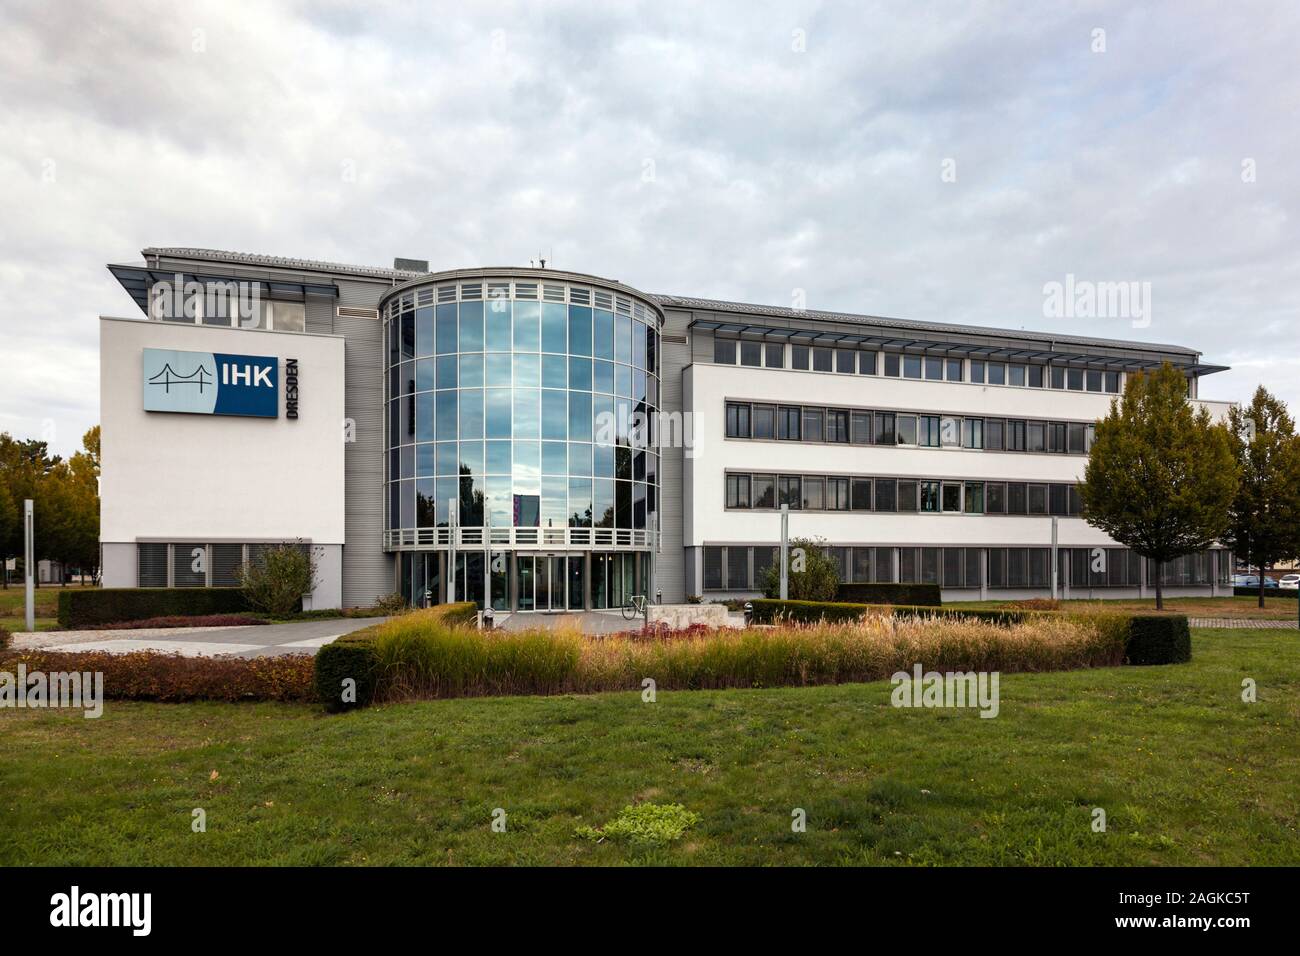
{"x": 927, "y": 595}
{"x": 1268, "y": 592}
{"x": 1157, "y": 639}
{"x": 768, "y": 611}
{"x": 86, "y": 608}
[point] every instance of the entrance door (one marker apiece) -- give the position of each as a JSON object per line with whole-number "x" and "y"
{"x": 558, "y": 579}
{"x": 527, "y": 583}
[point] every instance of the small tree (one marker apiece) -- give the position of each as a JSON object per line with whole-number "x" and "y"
{"x": 1160, "y": 477}
{"x": 278, "y": 577}
{"x": 814, "y": 574}
{"x": 1264, "y": 520}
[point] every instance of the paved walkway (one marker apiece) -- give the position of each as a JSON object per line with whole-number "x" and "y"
{"x": 590, "y": 622}
{"x": 1241, "y": 622}
{"x": 302, "y": 637}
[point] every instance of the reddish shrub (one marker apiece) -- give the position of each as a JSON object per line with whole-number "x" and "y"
{"x": 146, "y": 675}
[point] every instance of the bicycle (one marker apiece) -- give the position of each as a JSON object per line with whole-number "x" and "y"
{"x": 634, "y": 608}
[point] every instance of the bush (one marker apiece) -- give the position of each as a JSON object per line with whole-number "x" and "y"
{"x": 1158, "y": 639}
{"x": 914, "y": 594}
{"x": 93, "y": 606}
{"x": 810, "y": 612}
{"x": 5, "y": 637}
{"x": 146, "y": 675}
{"x": 818, "y": 581}
{"x": 351, "y": 657}
{"x": 1268, "y": 592}
{"x": 278, "y": 578}
{"x": 391, "y": 605}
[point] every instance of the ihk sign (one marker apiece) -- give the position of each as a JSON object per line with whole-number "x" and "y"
{"x": 211, "y": 383}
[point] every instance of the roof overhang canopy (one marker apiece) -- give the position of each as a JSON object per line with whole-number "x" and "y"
{"x": 138, "y": 280}
{"x": 915, "y": 346}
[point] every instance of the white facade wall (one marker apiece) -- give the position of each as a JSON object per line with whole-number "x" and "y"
{"x": 214, "y": 478}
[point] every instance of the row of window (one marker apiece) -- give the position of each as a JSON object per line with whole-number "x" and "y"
{"x": 817, "y": 423}
{"x": 745, "y": 567}
{"x": 475, "y": 413}
{"x": 759, "y": 354}
{"x": 505, "y": 326}
{"x": 216, "y": 308}
{"x": 192, "y": 564}
{"x": 757, "y": 491}
{"x": 547, "y": 502}
{"x": 522, "y": 459}
{"x": 503, "y": 370}
{"x": 500, "y": 290}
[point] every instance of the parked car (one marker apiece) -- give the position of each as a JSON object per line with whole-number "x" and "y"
{"x": 1289, "y": 582}
{"x": 1252, "y": 581}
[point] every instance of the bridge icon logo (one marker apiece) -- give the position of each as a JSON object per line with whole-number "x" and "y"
{"x": 168, "y": 376}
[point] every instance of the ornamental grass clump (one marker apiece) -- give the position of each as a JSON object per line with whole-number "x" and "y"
{"x": 422, "y": 656}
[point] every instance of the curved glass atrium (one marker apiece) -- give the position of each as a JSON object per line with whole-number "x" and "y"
{"x": 520, "y": 432}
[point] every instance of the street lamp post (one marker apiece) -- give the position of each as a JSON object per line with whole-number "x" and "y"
{"x": 785, "y": 551}
{"x": 29, "y": 560}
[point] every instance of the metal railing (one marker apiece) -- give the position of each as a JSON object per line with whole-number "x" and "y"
{"x": 472, "y": 538}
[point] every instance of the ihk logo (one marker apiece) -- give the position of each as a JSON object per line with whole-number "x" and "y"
{"x": 254, "y": 376}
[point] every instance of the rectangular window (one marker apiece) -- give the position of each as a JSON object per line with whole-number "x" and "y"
{"x": 997, "y": 373}
{"x": 993, "y": 429}
{"x": 763, "y": 421}
{"x": 1016, "y": 498}
{"x": 1037, "y": 499}
{"x": 737, "y": 420}
{"x": 911, "y": 366}
{"x": 789, "y": 491}
{"x": 751, "y": 353}
{"x": 712, "y": 568}
{"x": 907, "y": 495}
{"x": 929, "y": 497}
{"x": 886, "y": 494}
{"x": 934, "y": 369}
{"x": 737, "y": 568}
{"x": 1056, "y": 437}
{"x": 846, "y": 360}
{"x": 1075, "y": 502}
{"x": 861, "y": 427}
{"x": 927, "y": 431}
{"x": 1035, "y": 376}
{"x": 837, "y": 494}
{"x": 1035, "y": 436}
{"x": 1016, "y": 375}
{"x": 1074, "y": 379}
{"x": 974, "y": 497}
{"x": 1015, "y": 435}
{"x": 884, "y": 565}
{"x": 861, "y": 569}
{"x": 151, "y": 564}
{"x": 799, "y": 357}
{"x": 814, "y": 494}
{"x": 972, "y": 433}
{"x": 977, "y": 371}
{"x": 763, "y": 488}
{"x": 885, "y": 428}
{"x": 954, "y": 370}
{"x": 861, "y": 494}
{"x": 891, "y": 364}
{"x": 724, "y": 351}
{"x": 905, "y": 426}
{"x": 1058, "y": 376}
{"x": 1094, "y": 380}
{"x": 951, "y": 497}
{"x": 774, "y": 355}
{"x": 866, "y": 363}
{"x": 1058, "y": 499}
{"x": 737, "y": 491}
{"x": 908, "y": 572}
{"x": 995, "y": 500}
{"x": 950, "y": 432}
{"x": 812, "y": 424}
{"x": 954, "y": 567}
{"x": 1112, "y": 381}
{"x": 821, "y": 359}
{"x": 837, "y": 425}
{"x": 787, "y": 422}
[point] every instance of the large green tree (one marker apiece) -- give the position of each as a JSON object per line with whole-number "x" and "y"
{"x": 1264, "y": 519}
{"x": 1160, "y": 477}
{"x": 814, "y": 573}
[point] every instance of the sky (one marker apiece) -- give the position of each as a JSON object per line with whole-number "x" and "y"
{"x": 934, "y": 161}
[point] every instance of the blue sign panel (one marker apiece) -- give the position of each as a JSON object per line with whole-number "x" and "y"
{"x": 211, "y": 383}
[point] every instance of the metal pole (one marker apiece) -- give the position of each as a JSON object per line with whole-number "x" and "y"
{"x": 654, "y": 559}
{"x": 785, "y": 552}
{"x": 451, "y": 550}
{"x": 1056, "y": 564}
{"x": 29, "y": 559}
{"x": 487, "y": 557}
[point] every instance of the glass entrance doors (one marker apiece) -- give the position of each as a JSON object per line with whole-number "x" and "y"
{"x": 550, "y": 582}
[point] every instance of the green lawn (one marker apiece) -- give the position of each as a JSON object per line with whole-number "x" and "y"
{"x": 13, "y": 607}
{"x": 1187, "y": 773}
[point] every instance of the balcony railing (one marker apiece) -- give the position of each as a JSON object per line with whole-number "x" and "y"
{"x": 472, "y": 538}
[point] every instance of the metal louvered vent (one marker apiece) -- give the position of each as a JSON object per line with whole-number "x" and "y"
{"x": 226, "y": 560}
{"x": 355, "y": 312}
{"x": 189, "y": 565}
{"x": 151, "y": 565}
